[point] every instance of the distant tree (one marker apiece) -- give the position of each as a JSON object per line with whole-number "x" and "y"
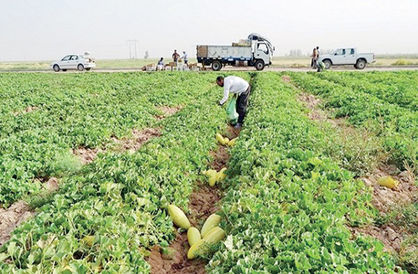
{"x": 146, "y": 54}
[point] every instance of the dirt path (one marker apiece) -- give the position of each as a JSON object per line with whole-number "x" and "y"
{"x": 132, "y": 143}
{"x": 386, "y": 200}
{"x": 11, "y": 217}
{"x": 204, "y": 201}
{"x": 228, "y": 68}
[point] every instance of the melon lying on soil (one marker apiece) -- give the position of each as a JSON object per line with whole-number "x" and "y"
{"x": 211, "y": 222}
{"x": 178, "y": 217}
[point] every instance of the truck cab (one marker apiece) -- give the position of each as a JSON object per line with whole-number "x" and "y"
{"x": 262, "y": 54}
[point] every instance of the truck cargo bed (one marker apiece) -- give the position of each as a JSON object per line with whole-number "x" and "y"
{"x": 224, "y": 52}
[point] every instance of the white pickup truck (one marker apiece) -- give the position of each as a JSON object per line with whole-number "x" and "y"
{"x": 347, "y": 56}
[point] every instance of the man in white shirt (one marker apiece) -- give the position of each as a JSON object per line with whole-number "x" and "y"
{"x": 185, "y": 59}
{"x": 235, "y": 85}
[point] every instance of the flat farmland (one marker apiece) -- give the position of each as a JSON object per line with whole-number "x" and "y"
{"x": 321, "y": 178}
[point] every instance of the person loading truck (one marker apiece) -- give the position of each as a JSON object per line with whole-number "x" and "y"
{"x": 240, "y": 87}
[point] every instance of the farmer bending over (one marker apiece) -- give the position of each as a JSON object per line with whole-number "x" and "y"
{"x": 236, "y": 85}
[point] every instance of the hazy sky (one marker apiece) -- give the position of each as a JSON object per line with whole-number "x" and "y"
{"x": 49, "y": 29}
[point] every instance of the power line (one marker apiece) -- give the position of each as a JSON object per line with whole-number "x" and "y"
{"x": 132, "y": 45}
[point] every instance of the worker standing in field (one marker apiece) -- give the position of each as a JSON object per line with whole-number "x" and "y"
{"x": 176, "y": 57}
{"x": 240, "y": 87}
{"x": 313, "y": 58}
{"x": 185, "y": 59}
{"x": 316, "y": 57}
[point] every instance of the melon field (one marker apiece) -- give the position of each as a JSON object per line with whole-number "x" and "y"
{"x": 321, "y": 178}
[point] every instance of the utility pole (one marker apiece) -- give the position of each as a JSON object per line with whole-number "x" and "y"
{"x": 132, "y": 43}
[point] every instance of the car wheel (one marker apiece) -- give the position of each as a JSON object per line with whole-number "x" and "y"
{"x": 216, "y": 65}
{"x": 88, "y": 69}
{"x": 64, "y": 70}
{"x": 259, "y": 65}
{"x": 327, "y": 64}
{"x": 56, "y": 68}
{"x": 80, "y": 67}
{"x": 361, "y": 64}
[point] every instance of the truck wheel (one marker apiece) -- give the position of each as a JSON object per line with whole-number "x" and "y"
{"x": 88, "y": 69}
{"x": 361, "y": 64}
{"x": 259, "y": 65}
{"x": 56, "y": 68}
{"x": 216, "y": 65}
{"x": 80, "y": 67}
{"x": 327, "y": 64}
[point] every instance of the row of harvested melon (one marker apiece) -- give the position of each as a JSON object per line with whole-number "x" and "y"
{"x": 211, "y": 233}
{"x": 225, "y": 140}
{"x": 199, "y": 242}
{"x": 218, "y": 176}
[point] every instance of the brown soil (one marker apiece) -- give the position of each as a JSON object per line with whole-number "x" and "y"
{"x": 133, "y": 143}
{"x": 286, "y": 78}
{"x": 203, "y": 202}
{"x": 167, "y": 111}
{"x": 232, "y": 133}
{"x": 385, "y": 199}
{"x": 26, "y": 110}
{"x": 49, "y": 183}
{"x": 221, "y": 157}
{"x": 18, "y": 212}
{"x": 317, "y": 114}
{"x": 311, "y": 102}
{"x": 139, "y": 137}
{"x": 30, "y": 109}
{"x": 10, "y": 218}
{"x": 178, "y": 262}
{"x": 86, "y": 155}
{"x": 390, "y": 235}
{"x": 52, "y": 184}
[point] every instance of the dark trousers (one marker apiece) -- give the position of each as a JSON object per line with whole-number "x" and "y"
{"x": 242, "y": 103}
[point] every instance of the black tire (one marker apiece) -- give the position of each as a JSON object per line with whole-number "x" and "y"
{"x": 56, "y": 68}
{"x": 327, "y": 63}
{"x": 88, "y": 69}
{"x": 216, "y": 65}
{"x": 361, "y": 64}
{"x": 259, "y": 65}
{"x": 80, "y": 67}
{"x": 64, "y": 70}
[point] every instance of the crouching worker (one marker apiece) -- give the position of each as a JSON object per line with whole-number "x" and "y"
{"x": 160, "y": 65}
{"x": 235, "y": 85}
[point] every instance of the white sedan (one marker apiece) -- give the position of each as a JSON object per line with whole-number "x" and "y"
{"x": 78, "y": 62}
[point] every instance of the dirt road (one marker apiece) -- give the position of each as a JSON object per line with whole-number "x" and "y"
{"x": 348, "y": 68}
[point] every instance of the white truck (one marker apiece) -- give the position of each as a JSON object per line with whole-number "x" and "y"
{"x": 255, "y": 51}
{"x": 347, "y": 56}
